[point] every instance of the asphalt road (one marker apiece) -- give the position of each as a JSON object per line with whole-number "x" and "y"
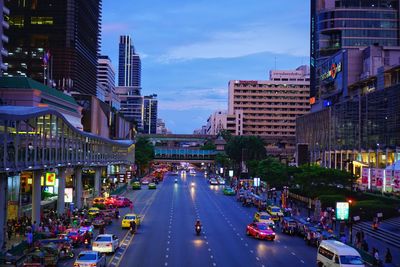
{"x": 167, "y": 237}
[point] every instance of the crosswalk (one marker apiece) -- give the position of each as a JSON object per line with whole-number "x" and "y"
{"x": 389, "y": 237}
{"x": 393, "y": 222}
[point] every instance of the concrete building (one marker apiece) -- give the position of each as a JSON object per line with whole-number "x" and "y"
{"x": 269, "y": 108}
{"x": 56, "y": 43}
{"x": 216, "y": 122}
{"x": 129, "y": 63}
{"x": 106, "y": 77}
{"x": 4, "y": 11}
{"x": 350, "y": 25}
{"x": 361, "y": 129}
{"x": 201, "y": 131}
{"x": 22, "y": 91}
{"x": 161, "y": 128}
{"x": 150, "y": 111}
{"x": 131, "y": 104}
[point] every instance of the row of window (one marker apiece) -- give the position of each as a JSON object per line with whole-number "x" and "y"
{"x": 369, "y": 33}
{"x": 269, "y": 86}
{"x": 270, "y": 92}
{"x": 356, "y": 24}
{"x": 362, "y": 14}
{"x": 272, "y": 97}
{"x": 367, "y": 42}
{"x": 266, "y": 104}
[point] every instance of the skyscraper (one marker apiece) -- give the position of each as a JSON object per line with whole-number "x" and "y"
{"x": 347, "y": 24}
{"x": 106, "y": 77}
{"x": 55, "y": 42}
{"x": 150, "y": 105}
{"x": 129, "y": 63}
{"x": 3, "y": 38}
{"x": 131, "y": 104}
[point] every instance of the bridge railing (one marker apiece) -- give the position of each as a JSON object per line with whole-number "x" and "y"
{"x": 183, "y": 153}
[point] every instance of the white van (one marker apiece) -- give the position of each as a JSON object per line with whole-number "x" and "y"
{"x": 332, "y": 253}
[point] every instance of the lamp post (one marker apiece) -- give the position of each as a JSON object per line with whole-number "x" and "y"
{"x": 350, "y": 201}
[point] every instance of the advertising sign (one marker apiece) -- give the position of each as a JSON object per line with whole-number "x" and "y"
{"x": 389, "y": 179}
{"x": 50, "y": 178}
{"x": 68, "y": 195}
{"x": 364, "y": 176}
{"x": 256, "y": 182}
{"x": 342, "y": 211}
{"x": 332, "y": 75}
{"x": 231, "y": 173}
{"x": 379, "y": 177}
{"x": 396, "y": 181}
{"x": 12, "y": 210}
{"x": 373, "y": 177}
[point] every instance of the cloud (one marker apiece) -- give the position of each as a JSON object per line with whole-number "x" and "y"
{"x": 113, "y": 27}
{"x": 253, "y": 39}
{"x": 195, "y": 99}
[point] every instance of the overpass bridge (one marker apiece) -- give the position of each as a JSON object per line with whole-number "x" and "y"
{"x": 192, "y": 155}
{"x": 36, "y": 141}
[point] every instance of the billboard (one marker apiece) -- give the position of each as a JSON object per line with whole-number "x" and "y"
{"x": 332, "y": 74}
{"x": 342, "y": 211}
{"x": 396, "y": 181}
{"x": 364, "y": 176}
{"x": 68, "y": 195}
{"x": 379, "y": 178}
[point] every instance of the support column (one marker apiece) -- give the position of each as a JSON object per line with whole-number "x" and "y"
{"x": 78, "y": 187}
{"x": 97, "y": 181}
{"x": 62, "y": 173}
{"x": 341, "y": 160}
{"x": 36, "y": 195}
{"x": 3, "y": 209}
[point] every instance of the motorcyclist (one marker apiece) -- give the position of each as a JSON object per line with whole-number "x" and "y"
{"x": 197, "y": 226}
{"x": 132, "y": 226}
{"x": 87, "y": 236}
{"x": 116, "y": 213}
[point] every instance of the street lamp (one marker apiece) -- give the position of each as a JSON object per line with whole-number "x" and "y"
{"x": 350, "y": 201}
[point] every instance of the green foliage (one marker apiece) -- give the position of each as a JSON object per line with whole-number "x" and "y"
{"x": 46, "y": 195}
{"x": 245, "y": 148}
{"x": 330, "y": 200}
{"x": 226, "y": 135}
{"x": 222, "y": 160}
{"x": 273, "y": 172}
{"x": 144, "y": 153}
{"x": 208, "y": 146}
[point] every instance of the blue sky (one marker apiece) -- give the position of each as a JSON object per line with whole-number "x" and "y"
{"x": 191, "y": 49}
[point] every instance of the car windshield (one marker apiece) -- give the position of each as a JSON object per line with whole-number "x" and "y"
{"x": 265, "y": 217}
{"x": 87, "y": 257}
{"x": 103, "y": 238}
{"x": 351, "y": 260}
{"x": 129, "y": 217}
{"x": 262, "y": 227}
{"x": 276, "y": 210}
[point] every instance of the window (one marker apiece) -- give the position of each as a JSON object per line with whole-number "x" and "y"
{"x": 326, "y": 253}
{"x": 42, "y": 20}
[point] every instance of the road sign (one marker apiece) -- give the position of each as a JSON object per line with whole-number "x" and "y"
{"x": 231, "y": 173}
{"x": 379, "y": 215}
{"x": 342, "y": 211}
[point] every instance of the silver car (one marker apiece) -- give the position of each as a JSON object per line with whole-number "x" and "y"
{"x": 89, "y": 259}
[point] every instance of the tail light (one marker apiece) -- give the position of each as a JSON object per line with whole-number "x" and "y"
{"x": 108, "y": 245}
{"x": 93, "y": 265}
{"x": 76, "y": 264}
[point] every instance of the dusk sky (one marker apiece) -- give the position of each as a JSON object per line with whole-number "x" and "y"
{"x": 191, "y": 49}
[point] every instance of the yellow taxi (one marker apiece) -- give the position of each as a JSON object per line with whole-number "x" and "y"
{"x": 98, "y": 200}
{"x": 264, "y": 217}
{"x": 275, "y": 212}
{"x": 93, "y": 211}
{"x": 128, "y": 218}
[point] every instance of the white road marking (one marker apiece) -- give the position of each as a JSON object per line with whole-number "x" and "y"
{"x": 294, "y": 254}
{"x": 251, "y": 251}
{"x": 246, "y": 244}
{"x": 257, "y": 258}
{"x": 302, "y": 261}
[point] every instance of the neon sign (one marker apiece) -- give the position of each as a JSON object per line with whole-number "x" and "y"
{"x": 333, "y": 71}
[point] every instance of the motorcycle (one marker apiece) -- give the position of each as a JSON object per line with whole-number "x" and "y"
{"x": 198, "y": 229}
{"x": 87, "y": 242}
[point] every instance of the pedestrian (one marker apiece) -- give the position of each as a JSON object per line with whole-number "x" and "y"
{"x": 375, "y": 253}
{"x": 388, "y": 256}
{"x": 9, "y": 232}
{"x": 29, "y": 238}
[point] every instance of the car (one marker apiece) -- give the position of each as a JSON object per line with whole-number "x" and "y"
{"x": 93, "y": 211}
{"x": 213, "y": 181}
{"x": 86, "y": 226}
{"x": 145, "y": 182}
{"x": 105, "y": 243}
{"x": 152, "y": 186}
{"x": 228, "y": 191}
{"x": 192, "y": 172}
{"x": 125, "y": 202}
{"x": 76, "y": 236}
{"x": 90, "y": 259}
{"x": 275, "y": 212}
{"x": 98, "y": 222}
{"x": 128, "y": 218}
{"x": 98, "y": 201}
{"x": 136, "y": 186}
{"x": 260, "y": 231}
{"x": 264, "y": 217}
{"x": 221, "y": 181}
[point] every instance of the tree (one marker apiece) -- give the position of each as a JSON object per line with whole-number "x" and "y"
{"x": 273, "y": 172}
{"x": 144, "y": 154}
{"x": 209, "y": 145}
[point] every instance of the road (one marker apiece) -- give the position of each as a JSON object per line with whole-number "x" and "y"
{"x": 167, "y": 238}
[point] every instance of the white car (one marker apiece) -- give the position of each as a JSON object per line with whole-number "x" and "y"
{"x": 221, "y": 181}
{"x": 213, "y": 181}
{"x": 90, "y": 259}
{"x": 105, "y": 243}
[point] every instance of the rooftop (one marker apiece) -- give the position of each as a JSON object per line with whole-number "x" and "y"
{"x": 28, "y": 83}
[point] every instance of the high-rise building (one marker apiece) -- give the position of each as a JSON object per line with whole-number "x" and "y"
{"x": 216, "y": 122}
{"x": 55, "y": 42}
{"x": 150, "y": 105}
{"x": 349, "y": 25}
{"x": 269, "y": 108}
{"x": 129, "y": 63}
{"x": 161, "y": 128}
{"x": 131, "y": 104}
{"x": 4, "y": 11}
{"x": 106, "y": 77}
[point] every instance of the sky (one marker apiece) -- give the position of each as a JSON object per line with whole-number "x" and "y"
{"x": 190, "y": 49}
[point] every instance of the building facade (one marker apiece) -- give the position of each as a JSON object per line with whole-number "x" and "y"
{"x": 129, "y": 63}
{"x": 55, "y": 42}
{"x": 4, "y": 11}
{"x": 216, "y": 122}
{"x": 269, "y": 108}
{"x": 131, "y": 104}
{"x": 363, "y": 129}
{"x": 347, "y": 24}
{"x": 150, "y": 111}
{"x": 161, "y": 128}
{"x": 106, "y": 77}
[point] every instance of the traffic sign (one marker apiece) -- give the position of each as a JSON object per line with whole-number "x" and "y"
{"x": 342, "y": 211}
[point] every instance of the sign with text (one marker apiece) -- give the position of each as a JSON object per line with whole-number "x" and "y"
{"x": 379, "y": 178}
{"x": 364, "y": 176}
{"x": 342, "y": 211}
{"x": 50, "y": 178}
{"x": 68, "y": 195}
{"x": 396, "y": 181}
{"x": 373, "y": 177}
{"x": 256, "y": 182}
